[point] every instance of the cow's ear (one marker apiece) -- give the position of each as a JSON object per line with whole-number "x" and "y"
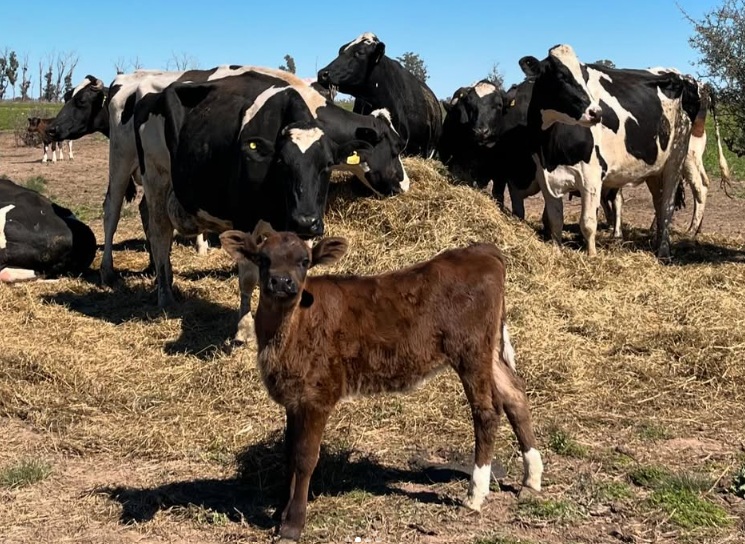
{"x": 379, "y": 52}
{"x": 258, "y": 149}
{"x": 241, "y": 246}
{"x": 447, "y": 105}
{"x": 530, "y": 66}
{"x": 328, "y": 251}
{"x": 369, "y": 135}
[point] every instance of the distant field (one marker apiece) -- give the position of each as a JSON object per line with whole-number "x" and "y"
{"x": 13, "y": 114}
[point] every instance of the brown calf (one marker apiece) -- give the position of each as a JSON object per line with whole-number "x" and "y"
{"x": 38, "y": 124}
{"x": 323, "y": 338}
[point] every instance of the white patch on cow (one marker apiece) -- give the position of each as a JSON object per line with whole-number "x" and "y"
{"x": 383, "y": 113}
{"x": 478, "y": 490}
{"x": 3, "y": 217}
{"x": 508, "y": 352}
{"x": 566, "y": 56}
{"x": 82, "y": 86}
{"x": 259, "y": 103}
{"x": 405, "y": 183}
{"x": 533, "y": 469}
{"x": 367, "y": 37}
{"x": 12, "y": 275}
{"x": 484, "y": 88}
{"x": 305, "y": 137}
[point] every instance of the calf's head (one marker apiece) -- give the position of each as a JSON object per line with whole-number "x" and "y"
{"x": 82, "y": 105}
{"x": 283, "y": 259}
{"x": 33, "y": 124}
{"x": 353, "y": 65}
{"x": 560, "y": 92}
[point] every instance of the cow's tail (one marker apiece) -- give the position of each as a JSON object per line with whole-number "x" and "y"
{"x": 726, "y": 183}
{"x": 131, "y": 192}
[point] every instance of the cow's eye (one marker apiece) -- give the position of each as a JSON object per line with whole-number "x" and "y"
{"x": 305, "y": 263}
{"x": 359, "y": 53}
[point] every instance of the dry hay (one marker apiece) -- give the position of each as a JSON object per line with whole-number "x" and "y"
{"x": 604, "y": 344}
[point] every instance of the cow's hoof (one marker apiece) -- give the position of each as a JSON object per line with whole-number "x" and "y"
{"x": 473, "y": 503}
{"x": 109, "y": 277}
{"x": 528, "y": 494}
{"x": 288, "y": 535}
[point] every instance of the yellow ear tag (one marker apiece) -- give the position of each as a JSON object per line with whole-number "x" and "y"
{"x": 512, "y": 103}
{"x": 354, "y": 158}
{"x": 252, "y": 145}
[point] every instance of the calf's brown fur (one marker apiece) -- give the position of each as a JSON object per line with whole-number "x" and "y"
{"x": 40, "y": 125}
{"x": 323, "y": 338}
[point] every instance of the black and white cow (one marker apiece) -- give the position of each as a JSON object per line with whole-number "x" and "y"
{"x": 39, "y": 125}
{"x": 364, "y": 71}
{"x": 40, "y": 238}
{"x": 236, "y": 150}
{"x": 85, "y": 111}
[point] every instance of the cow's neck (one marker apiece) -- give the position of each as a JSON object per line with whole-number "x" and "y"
{"x": 101, "y": 121}
{"x": 273, "y": 324}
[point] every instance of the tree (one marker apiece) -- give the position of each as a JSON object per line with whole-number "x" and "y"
{"x": 25, "y": 81}
{"x": 50, "y": 90}
{"x": 11, "y": 71}
{"x": 495, "y": 76}
{"x": 605, "y": 62}
{"x": 3, "y": 77}
{"x": 720, "y": 39}
{"x": 414, "y": 64}
{"x": 289, "y": 65}
{"x": 182, "y": 62}
{"x": 66, "y": 63}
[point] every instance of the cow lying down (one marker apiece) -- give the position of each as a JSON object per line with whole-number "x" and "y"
{"x": 39, "y": 238}
{"x": 323, "y": 338}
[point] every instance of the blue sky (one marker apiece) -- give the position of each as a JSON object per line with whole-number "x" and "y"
{"x": 459, "y": 41}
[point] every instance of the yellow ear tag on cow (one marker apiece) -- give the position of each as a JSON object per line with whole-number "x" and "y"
{"x": 252, "y": 145}
{"x": 512, "y": 104}
{"x": 354, "y": 158}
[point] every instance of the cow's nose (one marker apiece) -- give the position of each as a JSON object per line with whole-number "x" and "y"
{"x": 282, "y": 285}
{"x": 323, "y": 75}
{"x": 310, "y": 224}
{"x": 595, "y": 114}
{"x": 482, "y": 132}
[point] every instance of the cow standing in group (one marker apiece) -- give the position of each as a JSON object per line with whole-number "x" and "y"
{"x": 322, "y": 339}
{"x": 364, "y": 71}
{"x": 40, "y": 238}
{"x": 39, "y": 125}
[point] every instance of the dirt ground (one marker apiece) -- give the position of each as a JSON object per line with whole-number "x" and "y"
{"x": 126, "y": 468}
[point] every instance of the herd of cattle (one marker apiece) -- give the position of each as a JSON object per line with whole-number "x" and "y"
{"x": 238, "y": 148}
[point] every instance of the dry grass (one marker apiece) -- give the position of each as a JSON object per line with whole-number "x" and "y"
{"x": 607, "y": 346}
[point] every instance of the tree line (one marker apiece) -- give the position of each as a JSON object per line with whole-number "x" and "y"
{"x": 18, "y": 77}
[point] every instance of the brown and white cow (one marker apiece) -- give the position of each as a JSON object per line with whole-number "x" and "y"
{"x": 40, "y": 125}
{"x": 324, "y": 338}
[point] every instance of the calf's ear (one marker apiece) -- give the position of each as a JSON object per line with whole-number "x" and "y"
{"x": 239, "y": 245}
{"x": 530, "y": 66}
{"x": 328, "y": 251}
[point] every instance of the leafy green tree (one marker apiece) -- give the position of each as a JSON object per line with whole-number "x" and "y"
{"x": 289, "y": 65}
{"x": 605, "y": 62}
{"x": 495, "y": 76}
{"x": 414, "y": 64}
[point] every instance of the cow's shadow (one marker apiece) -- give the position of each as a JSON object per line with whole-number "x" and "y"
{"x": 206, "y": 327}
{"x": 255, "y": 493}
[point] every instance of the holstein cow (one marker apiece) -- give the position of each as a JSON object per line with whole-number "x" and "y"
{"x": 325, "y": 338}
{"x": 38, "y": 237}
{"x": 39, "y": 126}
{"x": 363, "y": 70}
{"x": 237, "y": 149}
{"x": 91, "y": 110}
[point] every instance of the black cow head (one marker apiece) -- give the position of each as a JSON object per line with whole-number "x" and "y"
{"x": 560, "y": 93}
{"x": 82, "y": 106}
{"x": 379, "y": 166}
{"x": 477, "y": 110}
{"x": 33, "y": 124}
{"x": 300, "y": 164}
{"x": 353, "y": 65}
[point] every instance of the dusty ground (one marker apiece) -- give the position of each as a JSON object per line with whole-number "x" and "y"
{"x": 156, "y": 432}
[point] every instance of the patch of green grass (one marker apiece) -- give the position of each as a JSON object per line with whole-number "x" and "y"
{"x": 561, "y": 442}
{"x": 681, "y": 497}
{"x": 203, "y": 516}
{"x": 14, "y": 114}
{"x": 36, "y": 183}
{"x": 612, "y": 491}
{"x": 547, "y": 510}
{"x": 497, "y": 539}
{"x": 24, "y": 473}
{"x": 652, "y": 432}
{"x": 738, "y": 483}
{"x": 87, "y": 213}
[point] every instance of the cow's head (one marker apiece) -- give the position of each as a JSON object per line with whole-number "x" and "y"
{"x": 283, "y": 260}
{"x": 78, "y": 116}
{"x": 380, "y": 166}
{"x": 33, "y": 124}
{"x": 560, "y": 92}
{"x": 353, "y": 65}
{"x": 477, "y": 110}
{"x": 300, "y": 163}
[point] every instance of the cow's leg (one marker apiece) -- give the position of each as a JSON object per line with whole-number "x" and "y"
{"x": 290, "y": 439}
{"x": 160, "y": 234}
{"x": 69, "y": 150}
{"x": 499, "y": 185}
{"x": 45, "y": 158}
{"x": 665, "y": 213}
{"x": 509, "y": 395}
{"x": 612, "y": 202}
{"x": 202, "y": 244}
{"x": 145, "y": 220}
{"x": 479, "y": 391}
{"x": 310, "y": 424}
{"x": 12, "y": 275}
{"x": 54, "y": 152}
{"x": 248, "y": 277}
{"x": 588, "y": 221}
{"x": 553, "y": 215}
